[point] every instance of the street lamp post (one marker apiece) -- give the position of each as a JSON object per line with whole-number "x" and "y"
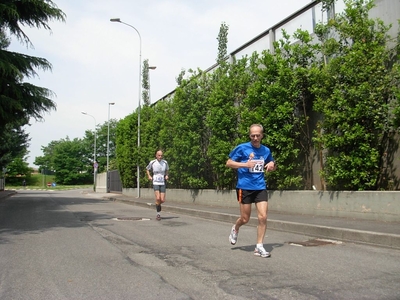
{"x": 108, "y": 134}
{"x": 108, "y": 145}
{"x": 140, "y": 92}
{"x": 94, "y": 153}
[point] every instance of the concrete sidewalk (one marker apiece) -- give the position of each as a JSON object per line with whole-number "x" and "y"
{"x": 384, "y": 234}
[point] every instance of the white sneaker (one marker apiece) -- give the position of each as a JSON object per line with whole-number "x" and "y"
{"x": 260, "y": 251}
{"x": 233, "y": 236}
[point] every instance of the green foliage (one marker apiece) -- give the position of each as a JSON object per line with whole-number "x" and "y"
{"x": 127, "y": 154}
{"x": 280, "y": 100}
{"x": 101, "y": 144}
{"x": 230, "y": 83}
{"x": 18, "y": 167}
{"x": 145, "y": 83}
{"x": 353, "y": 92}
{"x": 335, "y": 103}
{"x": 395, "y": 56}
{"x": 33, "y": 13}
{"x": 222, "y": 43}
{"x": 68, "y": 160}
{"x": 13, "y": 143}
{"x": 189, "y": 140}
{"x": 332, "y": 105}
{"x": 47, "y": 160}
{"x": 40, "y": 181}
{"x": 17, "y": 181}
{"x": 327, "y": 4}
{"x": 70, "y": 163}
{"x": 19, "y": 100}
{"x": 86, "y": 152}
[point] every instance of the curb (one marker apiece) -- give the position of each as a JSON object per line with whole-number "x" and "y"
{"x": 7, "y": 193}
{"x": 318, "y": 231}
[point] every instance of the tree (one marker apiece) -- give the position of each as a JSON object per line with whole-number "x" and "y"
{"x": 145, "y": 83}
{"x": 18, "y": 171}
{"x": 355, "y": 92}
{"x": 127, "y": 152}
{"x": 347, "y": 88}
{"x": 279, "y": 98}
{"x": 13, "y": 143}
{"x": 46, "y": 161}
{"x": 18, "y": 167}
{"x": 222, "y": 43}
{"x": 190, "y": 106}
{"x": 69, "y": 161}
{"x": 19, "y": 100}
{"x": 228, "y": 85}
{"x": 101, "y": 144}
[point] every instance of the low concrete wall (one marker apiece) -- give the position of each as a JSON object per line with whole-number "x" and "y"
{"x": 368, "y": 205}
{"x": 101, "y": 183}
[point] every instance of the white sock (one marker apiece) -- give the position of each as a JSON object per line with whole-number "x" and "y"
{"x": 260, "y": 245}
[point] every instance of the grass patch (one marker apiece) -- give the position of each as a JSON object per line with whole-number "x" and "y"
{"x": 40, "y": 181}
{"x": 53, "y": 188}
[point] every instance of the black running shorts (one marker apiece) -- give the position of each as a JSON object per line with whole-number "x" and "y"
{"x": 250, "y": 196}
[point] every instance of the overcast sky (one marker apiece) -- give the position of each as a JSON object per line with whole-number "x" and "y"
{"x": 96, "y": 61}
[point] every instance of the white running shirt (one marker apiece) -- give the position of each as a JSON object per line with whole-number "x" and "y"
{"x": 159, "y": 169}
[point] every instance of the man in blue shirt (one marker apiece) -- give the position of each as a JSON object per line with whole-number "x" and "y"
{"x": 252, "y": 160}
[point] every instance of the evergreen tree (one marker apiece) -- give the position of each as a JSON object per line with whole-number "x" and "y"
{"x": 20, "y": 100}
{"x": 145, "y": 83}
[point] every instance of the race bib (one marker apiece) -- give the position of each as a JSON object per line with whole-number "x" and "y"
{"x": 158, "y": 178}
{"x": 258, "y": 167}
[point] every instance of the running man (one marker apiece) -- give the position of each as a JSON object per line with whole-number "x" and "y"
{"x": 252, "y": 159}
{"x": 157, "y": 171}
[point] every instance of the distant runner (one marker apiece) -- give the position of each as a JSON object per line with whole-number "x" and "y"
{"x": 157, "y": 171}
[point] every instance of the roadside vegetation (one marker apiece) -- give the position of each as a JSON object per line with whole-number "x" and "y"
{"x": 329, "y": 102}
{"x": 20, "y": 100}
{"x": 39, "y": 181}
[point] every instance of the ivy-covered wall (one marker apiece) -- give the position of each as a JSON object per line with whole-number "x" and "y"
{"x": 329, "y": 103}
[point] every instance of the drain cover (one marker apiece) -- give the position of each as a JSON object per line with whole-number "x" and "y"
{"x": 315, "y": 242}
{"x": 131, "y": 219}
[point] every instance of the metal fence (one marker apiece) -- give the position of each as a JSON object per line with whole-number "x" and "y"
{"x": 114, "y": 182}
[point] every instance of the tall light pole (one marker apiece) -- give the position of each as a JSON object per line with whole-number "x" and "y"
{"x": 94, "y": 152}
{"x": 140, "y": 95}
{"x": 108, "y": 134}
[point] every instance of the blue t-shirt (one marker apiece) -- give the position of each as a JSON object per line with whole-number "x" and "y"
{"x": 251, "y": 179}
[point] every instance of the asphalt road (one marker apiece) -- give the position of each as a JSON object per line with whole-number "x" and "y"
{"x": 71, "y": 245}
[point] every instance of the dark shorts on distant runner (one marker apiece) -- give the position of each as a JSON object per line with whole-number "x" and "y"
{"x": 250, "y": 196}
{"x": 160, "y": 188}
